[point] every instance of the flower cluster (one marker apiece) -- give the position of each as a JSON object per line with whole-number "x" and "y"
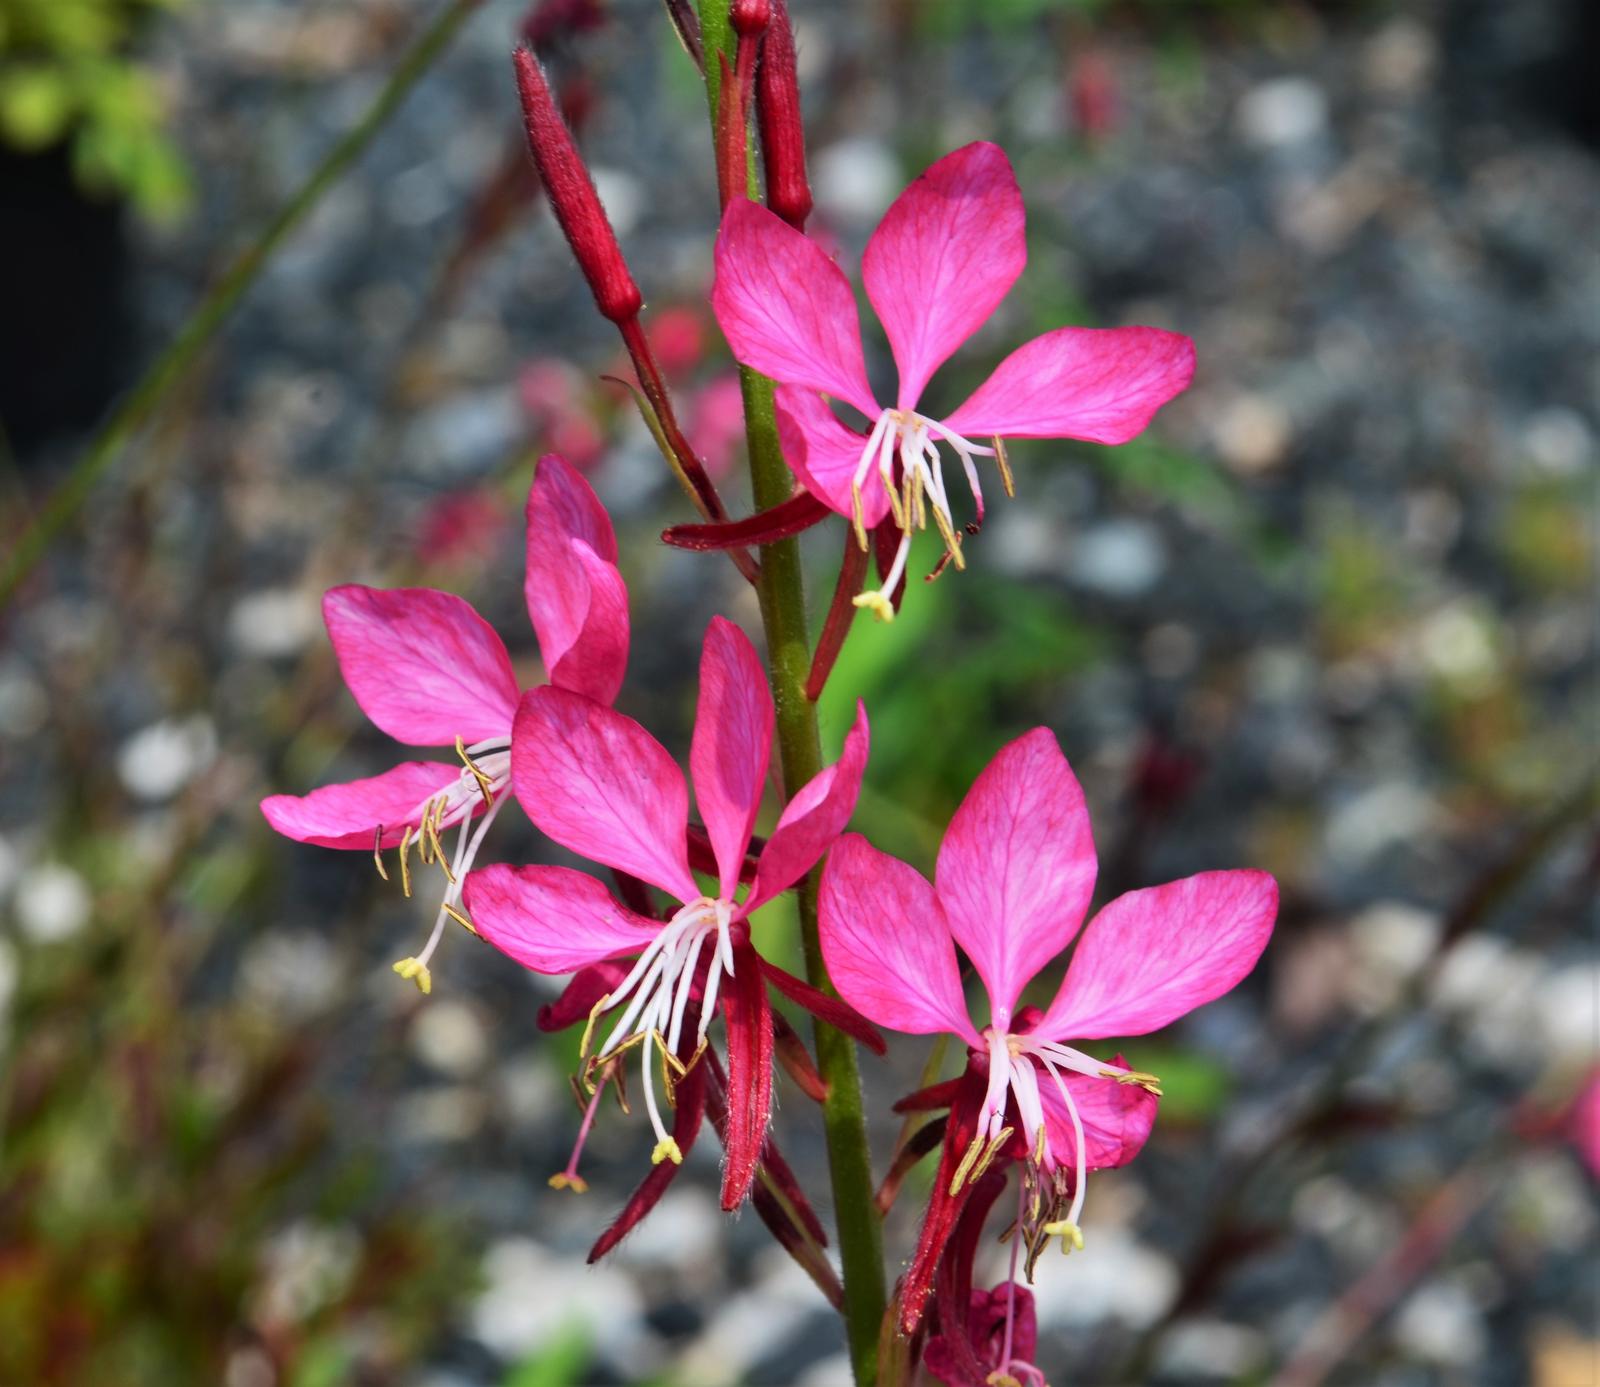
{"x": 668, "y": 949}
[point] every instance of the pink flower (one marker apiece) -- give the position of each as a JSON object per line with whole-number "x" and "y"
{"x": 429, "y": 671}
{"x": 1584, "y": 1123}
{"x": 598, "y": 783}
{"x": 938, "y": 265}
{"x": 1014, "y": 879}
{"x": 716, "y": 423}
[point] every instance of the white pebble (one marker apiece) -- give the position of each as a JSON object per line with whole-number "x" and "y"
{"x": 159, "y": 760}
{"x": 53, "y": 903}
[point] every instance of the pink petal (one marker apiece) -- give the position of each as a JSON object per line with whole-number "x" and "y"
{"x": 886, "y": 944}
{"x": 786, "y": 309}
{"x": 813, "y": 818}
{"x": 825, "y": 454}
{"x": 943, "y": 257}
{"x": 732, "y": 744}
{"x": 1116, "y": 1118}
{"x": 576, "y": 598}
{"x": 1099, "y": 384}
{"x": 598, "y": 783}
{"x": 423, "y": 665}
{"x": 552, "y": 919}
{"x": 348, "y": 815}
{"x": 1585, "y": 1123}
{"x": 1151, "y": 956}
{"x": 1017, "y": 866}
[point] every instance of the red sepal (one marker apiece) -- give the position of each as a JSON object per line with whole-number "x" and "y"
{"x": 796, "y": 1060}
{"x": 841, "y": 612}
{"x": 953, "y": 1296}
{"x": 691, "y": 1093}
{"x": 587, "y": 987}
{"x": 748, "y": 1019}
{"x": 840, "y": 1015}
{"x": 944, "y": 1208}
{"x": 703, "y": 859}
{"x": 800, "y": 512}
{"x": 934, "y": 1097}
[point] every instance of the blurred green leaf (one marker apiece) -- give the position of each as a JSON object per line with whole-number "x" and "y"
{"x": 560, "y": 1363}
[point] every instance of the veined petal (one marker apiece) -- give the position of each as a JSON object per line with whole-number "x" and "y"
{"x": 598, "y": 783}
{"x": 1116, "y": 1118}
{"x": 1017, "y": 866}
{"x": 576, "y": 598}
{"x": 943, "y": 257}
{"x": 785, "y": 308}
{"x": 886, "y": 943}
{"x": 423, "y": 665}
{"x": 1099, "y": 384}
{"x": 552, "y": 919}
{"x": 825, "y": 454}
{"x": 732, "y": 745}
{"x": 1151, "y": 956}
{"x": 813, "y": 818}
{"x": 348, "y": 815}
{"x": 748, "y": 1018}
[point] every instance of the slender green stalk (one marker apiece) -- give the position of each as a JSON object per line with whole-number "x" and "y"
{"x": 783, "y": 613}
{"x": 213, "y": 310}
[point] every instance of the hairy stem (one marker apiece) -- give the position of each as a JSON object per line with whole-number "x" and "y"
{"x": 783, "y": 613}
{"x": 213, "y": 310}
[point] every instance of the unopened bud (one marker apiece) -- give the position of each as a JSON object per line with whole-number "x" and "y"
{"x": 783, "y": 138}
{"x": 750, "y": 17}
{"x": 572, "y": 196}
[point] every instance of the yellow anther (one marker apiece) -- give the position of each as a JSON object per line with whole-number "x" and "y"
{"x": 562, "y": 1181}
{"x": 858, "y": 515}
{"x": 877, "y": 602}
{"x": 1005, "y": 466}
{"x": 415, "y": 970}
{"x": 1149, "y": 1082}
{"x": 1038, "y": 1146}
{"x": 1001, "y": 1378}
{"x": 459, "y": 918}
{"x": 484, "y": 787}
{"x": 666, "y": 1150}
{"x": 897, "y": 509}
{"x": 588, "y": 1030}
{"x": 1070, "y": 1234}
{"x": 405, "y": 866}
{"x": 989, "y": 1155}
{"x": 952, "y": 541}
{"x": 967, "y": 1162}
{"x": 377, "y": 852}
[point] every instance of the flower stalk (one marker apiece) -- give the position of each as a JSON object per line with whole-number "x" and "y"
{"x": 781, "y": 591}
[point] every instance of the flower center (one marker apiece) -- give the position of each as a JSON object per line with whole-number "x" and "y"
{"x": 1052, "y": 1179}
{"x": 485, "y": 776}
{"x": 655, "y": 1000}
{"x": 913, "y": 439}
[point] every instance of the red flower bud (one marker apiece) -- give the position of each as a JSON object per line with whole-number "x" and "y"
{"x": 750, "y": 17}
{"x": 572, "y": 196}
{"x": 783, "y": 139}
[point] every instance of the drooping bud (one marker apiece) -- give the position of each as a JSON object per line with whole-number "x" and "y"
{"x": 783, "y": 139}
{"x": 573, "y": 198}
{"x": 750, "y": 17}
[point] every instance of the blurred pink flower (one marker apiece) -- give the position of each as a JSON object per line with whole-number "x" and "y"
{"x": 429, "y": 671}
{"x": 679, "y": 338}
{"x": 559, "y": 411}
{"x": 596, "y": 782}
{"x": 1016, "y": 872}
{"x": 1585, "y": 1123}
{"x": 716, "y": 423}
{"x": 938, "y": 265}
{"x": 459, "y": 525}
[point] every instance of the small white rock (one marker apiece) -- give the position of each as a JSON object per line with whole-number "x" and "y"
{"x": 1212, "y": 1347}
{"x": 1122, "y": 558}
{"x": 621, "y": 196}
{"x": 1566, "y": 1010}
{"x": 855, "y": 179}
{"x": 1285, "y": 111}
{"x": 273, "y": 622}
{"x": 1391, "y": 940}
{"x": 159, "y": 760}
{"x": 447, "y": 1035}
{"x": 1115, "y": 1278}
{"x": 531, "y": 1295}
{"x": 53, "y": 903}
{"x": 1441, "y": 1324}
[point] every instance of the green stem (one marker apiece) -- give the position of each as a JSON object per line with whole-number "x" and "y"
{"x": 783, "y": 613}
{"x": 213, "y": 310}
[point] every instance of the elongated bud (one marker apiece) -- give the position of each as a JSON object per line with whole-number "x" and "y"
{"x": 573, "y": 198}
{"x": 783, "y": 138}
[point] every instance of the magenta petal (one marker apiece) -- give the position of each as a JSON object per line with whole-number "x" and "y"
{"x": 786, "y": 309}
{"x": 581, "y": 995}
{"x": 349, "y": 815}
{"x": 1099, "y": 384}
{"x": 886, "y": 944}
{"x": 598, "y": 783}
{"x": 825, "y": 454}
{"x": 1151, "y": 956}
{"x": 1017, "y": 866}
{"x": 552, "y": 919}
{"x": 423, "y": 665}
{"x": 1116, "y": 1118}
{"x": 576, "y": 598}
{"x": 813, "y": 818}
{"x": 943, "y": 257}
{"x": 732, "y": 744}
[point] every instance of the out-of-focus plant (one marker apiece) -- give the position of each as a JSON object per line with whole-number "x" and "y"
{"x": 67, "y": 75}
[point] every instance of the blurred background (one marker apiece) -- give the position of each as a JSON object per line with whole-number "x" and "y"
{"x": 1332, "y": 616}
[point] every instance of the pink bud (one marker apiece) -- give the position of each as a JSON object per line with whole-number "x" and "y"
{"x": 750, "y": 17}
{"x": 783, "y": 138}
{"x": 572, "y": 196}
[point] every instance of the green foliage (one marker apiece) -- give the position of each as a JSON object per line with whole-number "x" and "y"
{"x": 66, "y": 75}
{"x": 560, "y": 1363}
